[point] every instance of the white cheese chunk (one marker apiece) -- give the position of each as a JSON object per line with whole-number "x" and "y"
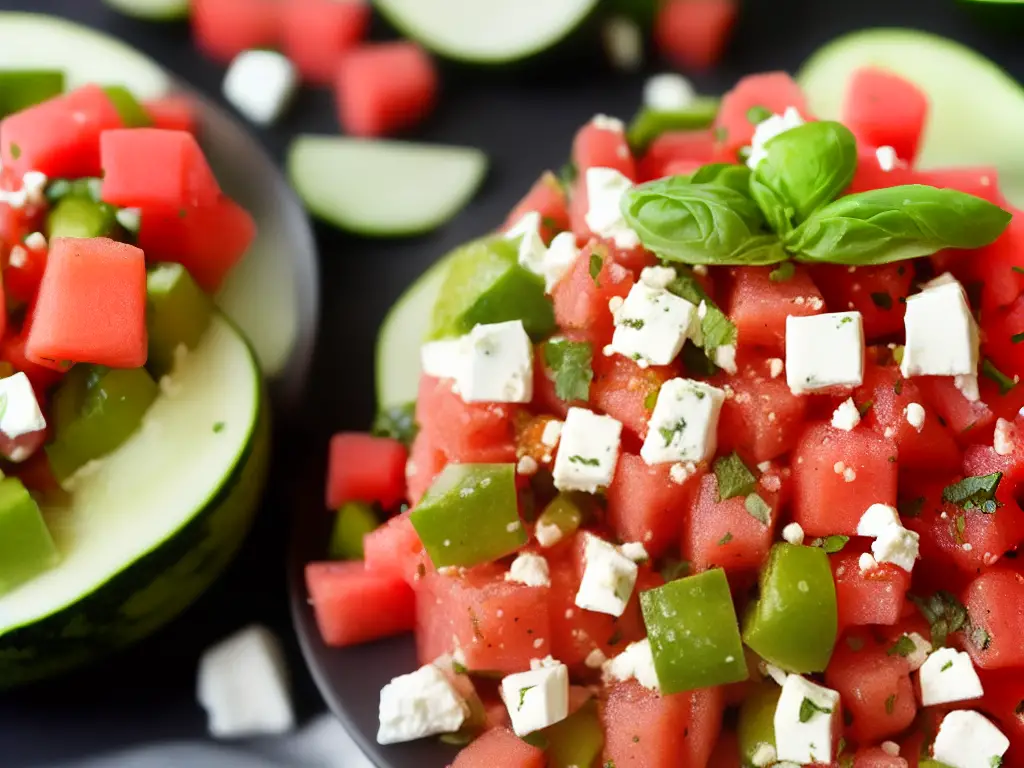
{"x": 260, "y": 84}
{"x": 651, "y": 325}
{"x": 442, "y": 359}
{"x": 607, "y": 123}
{"x": 623, "y": 43}
{"x": 529, "y": 569}
{"x": 967, "y": 384}
{"x": 668, "y": 92}
{"x": 657, "y": 277}
{"x": 793, "y": 533}
{"x": 559, "y": 259}
{"x": 948, "y": 675}
{"x": 548, "y": 534}
{"x": 846, "y": 416}
{"x": 532, "y": 249}
{"x": 725, "y": 358}
{"x": 635, "y": 551}
{"x": 767, "y": 130}
{"x": 1003, "y": 439}
{"x": 922, "y": 648}
{"x": 588, "y": 451}
{"x": 608, "y": 578}
{"x": 37, "y": 240}
{"x": 915, "y": 415}
{"x": 498, "y": 366}
{"x": 684, "y": 424}
{"x": 243, "y": 686}
{"x": 876, "y": 519}
{"x": 886, "y": 157}
{"x": 966, "y": 739}
{"x": 19, "y": 410}
{"x": 824, "y": 351}
{"x": 635, "y": 662}
{"x": 605, "y": 189}
{"x": 420, "y": 704}
{"x": 897, "y": 545}
{"x": 538, "y": 698}
{"x": 806, "y": 739}
{"x": 763, "y": 756}
{"x": 942, "y": 336}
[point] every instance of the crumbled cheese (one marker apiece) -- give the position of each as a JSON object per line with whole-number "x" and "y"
{"x": 922, "y": 648}
{"x": 636, "y": 661}
{"x": 967, "y": 384}
{"x": 260, "y": 85}
{"x": 635, "y": 551}
{"x": 886, "y": 157}
{"x": 595, "y": 659}
{"x": 891, "y": 748}
{"x": 608, "y": 578}
{"x": 684, "y": 424}
{"x": 605, "y": 189}
{"x": 606, "y": 123}
{"x": 623, "y": 43}
{"x": 876, "y": 519}
{"x": 537, "y": 698}
{"x": 915, "y": 415}
{"x": 775, "y": 367}
{"x": 767, "y": 130}
{"x": 527, "y": 465}
{"x": 548, "y": 534}
{"x": 897, "y": 545}
{"x": 529, "y": 569}
{"x": 20, "y": 413}
{"x": 1003, "y": 438}
{"x": 941, "y": 333}
{"x": 793, "y": 533}
{"x": 652, "y": 324}
{"x": 763, "y": 756}
{"x": 552, "y": 431}
{"x": 866, "y": 562}
{"x": 846, "y": 416}
{"x": 37, "y": 240}
{"x": 668, "y": 92}
{"x": 443, "y": 359}
{"x": 824, "y": 351}
{"x": 655, "y": 277}
{"x": 725, "y": 358}
{"x": 588, "y": 451}
{"x": 681, "y": 472}
{"x": 805, "y": 739}
{"x": 497, "y": 365}
{"x": 948, "y": 675}
{"x": 966, "y": 739}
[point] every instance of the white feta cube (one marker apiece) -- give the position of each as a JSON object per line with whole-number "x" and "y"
{"x": 942, "y": 336}
{"x": 19, "y": 410}
{"x": 651, "y": 325}
{"x": 635, "y": 662}
{"x": 623, "y": 43}
{"x": 824, "y": 351}
{"x": 548, "y": 534}
{"x": 607, "y": 123}
{"x": 36, "y": 241}
{"x": 243, "y": 686}
{"x": 805, "y": 721}
{"x": 605, "y": 189}
{"x": 684, "y": 424}
{"x": 767, "y": 130}
{"x": 725, "y": 358}
{"x": 876, "y": 519}
{"x": 588, "y": 451}
{"x": 608, "y": 578}
{"x": 886, "y": 157}
{"x": 922, "y": 648}
{"x": 915, "y": 415}
{"x": 657, "y": 277}
{"x": 897, "y": 545}
{"x": 531, "y": 246}
{"x": 948, "y": 675}
{"x": 443, "y": 359}
{"x": 529, "y": 569}
{"x": 260, "y": 84}
{"x": 668, "y": 92}
{"x": 967, "y": 739}
{"x": 793, "y": 533}
{"x": 866, "y": 562}
{"x": 559, "y": 259}
{"x": 498, "y": 365}
{"x": 420, "y": 704}
{"x": 551, "y": 434}
{"x": 846, "y": 416}
{"x": 536, "y": 699}
{"x": 635, "y": 551}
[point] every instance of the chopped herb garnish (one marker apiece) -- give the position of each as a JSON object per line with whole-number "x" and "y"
{"x": 616, "y": 637}
{"x": 15, "y": 151}
{"x": 571, "y": 364}
{"x": 217, "y": 428}
{"x": 568, "y": 174}
{"x": 977, "y": 492}
{"x": 947, "y": 665}
{"x": 758, "y": 508}
{"x": 1004, "y": 382}
{"x": 669, "y": 433}
{"x": 1018, "y": 270}
{"x": 587, "y": 462}
{"x": 460, "y": 738}
{"x": 721, "y": 134}
{"x": 522, "y": 694}
{"x": 1017, "y": 338}
{"x": 890, "y": 704}
{"x": 596, "y": 264}
{"x": 960, "y": 524}
{"x": 725, "y": 539}
{"x": 864, "y": 407}
{"x": 903, "y": 647}
{"x": 831, "y": 544}
{"x": 995, "y": 761}
{"x": 783, "y": 272}
{"x": 459, "y": 669}
{"x": 981, "y": 638}
{"x": 882, "y": 300}
{"x": 696, "y": 362}
{"x": 944, "y": 614}
{"x": 1019, "y": 709}
{"x": 716, "y": 329}
{"x": 910, "y": 507}
{"x": 182, "y": 213}
{"x": 897, "y": 387}
{"x": 672, "y": 569}
{"x": 651, "y": 399}
{"x": 631, "y": 322}
{"x": 734, "y": 478}
{"x": 758, "y": 114}
{"x": 809, "y": 709}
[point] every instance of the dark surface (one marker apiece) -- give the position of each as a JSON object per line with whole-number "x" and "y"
{"x": 525, "y": 124}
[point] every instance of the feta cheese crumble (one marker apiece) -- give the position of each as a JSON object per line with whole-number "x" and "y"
{"x": 767, "y": 130}
{"x": 19, "y": 410}
{"x": 897, "y": 545}
{"x": 37, "y": 240}
{"x": 876, "y": 519}
{"x": 793, "y": 533}
{"x": 635, "y": 662}
{"x": 942, "y": 335}
{"x": 846, "y": 416}
{"x": 608, "y": 578}
{"x": 260, "y": 85}
{"x": 529, "y": 569}
{"x": 651, "y": 325}
{"x": 886, "y": 157}
{"x": 623, "y": 43}
{"x": 967, "y": 384}
{"x": 635, "y": 551}
{"x": 668, "y": 92}
{"x": 922, "y": 648}
{"x": 588, "y": 451}
{"x": 915, "y": 415}
{"x": 805, "y": 721}
{"x": 948, "y": 675}
{"x": 497, "y": 365}
{"x": 684, "y": 424}
{"x": 657, "y": 277}
{"x": 1002, "y": 439}
{"x": 537, "y": 698}
{"x": 420, "y": 704}
{"x": 442, "y": 359}
{"x": 605, "y": 188}
{"x": 560, "y": 256}
{"x": 531, "y": 246}
{"x": 824, "y": 351}
{"x": 968, "y": 740}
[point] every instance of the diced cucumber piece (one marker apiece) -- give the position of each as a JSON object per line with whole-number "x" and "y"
{"x": 383, "y": 188}
{"x": 23, "y": 88}
{"x": 132, "y": 113}
{"x": 110, "y": 410}
{"x": 575, "y": 741}
{"x": 89, "y": 188}
{"x": 26, "y": 546}
{"x": 975, "y": 107}
{"x": 491, "y": 32}
{"x": 486, "y": 284}
{"x": 152, "y": 10}
{"x": 177, "y": 312}
{"x": 649, "y": 123}
{"x": 755, "y": 726}
{"x": 354, "y": 520}
{"x": 78, "y": 216}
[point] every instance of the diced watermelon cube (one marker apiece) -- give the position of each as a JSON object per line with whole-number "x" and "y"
{"x": 879, "y": 293}
{"x": 426, "y": 462}
{"x": 362, "y": 467}
{"x": 500, "y": 747}
{"x": 759, "y": 306}
{"x": 961, "y": 415}
{"x": 672, "y": 148}
{"x": 468, "y": 433}
{"x": 692, "y": 34}
{"x": 354, "y": 605}
{"x": 775, "y": 91}
{"x": 581, "y": 300}
{"x": 876, "y": 757}
{"x": 173, "y": 113}
{"x": 316, "y": 33}
{"x": 627, "y": 392}
{"x": 225, "y": 28}
{"x": 596, "y": 145}
{"x": 395, "y": 549}
{"x": 884, "y": 109}
{"x": 547, "y": 198}
{"x": 12, "y": 350}
{"x": 60, "y": 137}
{"x": 91, "y": 306}
{"x": 995, "y": 606}
{"x": 384, "y": 88}
{"x": 874, "y": 596}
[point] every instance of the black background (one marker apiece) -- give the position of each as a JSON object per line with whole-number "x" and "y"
{"x": 525, "y": 122}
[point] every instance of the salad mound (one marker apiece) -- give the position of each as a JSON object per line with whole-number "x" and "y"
{"x": 713, "y": 459}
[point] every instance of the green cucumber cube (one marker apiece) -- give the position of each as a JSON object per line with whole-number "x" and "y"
{"x": 178, "y": 312}
{"x": 23, "y": 88}
{"x": 26, "y": 547}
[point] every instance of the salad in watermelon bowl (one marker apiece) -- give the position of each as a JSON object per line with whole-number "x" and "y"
{"x": 710, "y": 456}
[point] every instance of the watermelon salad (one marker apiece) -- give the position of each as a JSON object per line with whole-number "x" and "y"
{"x": 713, "y": 456}
{"x": 114, "y": 237}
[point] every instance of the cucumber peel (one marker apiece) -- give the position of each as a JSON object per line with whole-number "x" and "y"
{"x": 152, "y": 10}
{"x": 383, "y": 188}
{"x": 976, "y": 108}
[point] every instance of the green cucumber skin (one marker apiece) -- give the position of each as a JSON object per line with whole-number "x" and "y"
{"x": 154, "y": 589}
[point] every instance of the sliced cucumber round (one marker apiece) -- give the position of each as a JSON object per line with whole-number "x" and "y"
{"x": 152, "y": 10}
{"x": 35, "y": 41}
{"x": 383, "y": 188}
{"x": 976, "y": 109}
{"x": 487, "y": 31}
{"x": 153, "y": 523}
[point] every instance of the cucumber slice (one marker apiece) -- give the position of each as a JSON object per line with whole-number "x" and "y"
{"x": 153, "y": 523}
{"x": 383, "y": 188}
{"x": 35, "y": 41}
{"x": 487, "y": 32}
{"x": 152, "y": 10}
{"x": 401, "y": 334}
{"x": 976, "y": 108}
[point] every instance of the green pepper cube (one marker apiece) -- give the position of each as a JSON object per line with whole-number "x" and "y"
{"x": 793, "y": 622}
{"x": 575, "y": 741}
{"x": 132, "y": 113}
{"x": 486, "y": 284}
{"x": 694, "y": 635}
{"x": 649, "y": 123}
{"x": 355, "y": 519}
{"x": 104, "y": 409}
{"x": 26, "y": 547}
{"x": 470, "y": 515}
{"x": 24, "y": 88}
{"x": 755, "y": 726}
{"x": 79, "y": 216}
{"x": 562, "y": 517}
{"x": 178, "y": 312}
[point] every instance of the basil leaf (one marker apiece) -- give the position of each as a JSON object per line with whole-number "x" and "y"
{"x": 943, "y": 612}
{"x": 397, "y": 422}
{"x": 716, "y": 329}
{"x": 804, "y": 169}
{"x": 783, "y": 273}
{"x": 831, "y": 544}
{"x": 734, "y": 477}
{"x": 570, "y": 362}
{"x": 724, "y": 174}
{"x": 978, "y": 492}
{"x": 885, "y": 225}
{"x": 696, "y": 223}
{"x": 1004, "y": 382}
{"x": 758, "y": 508}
